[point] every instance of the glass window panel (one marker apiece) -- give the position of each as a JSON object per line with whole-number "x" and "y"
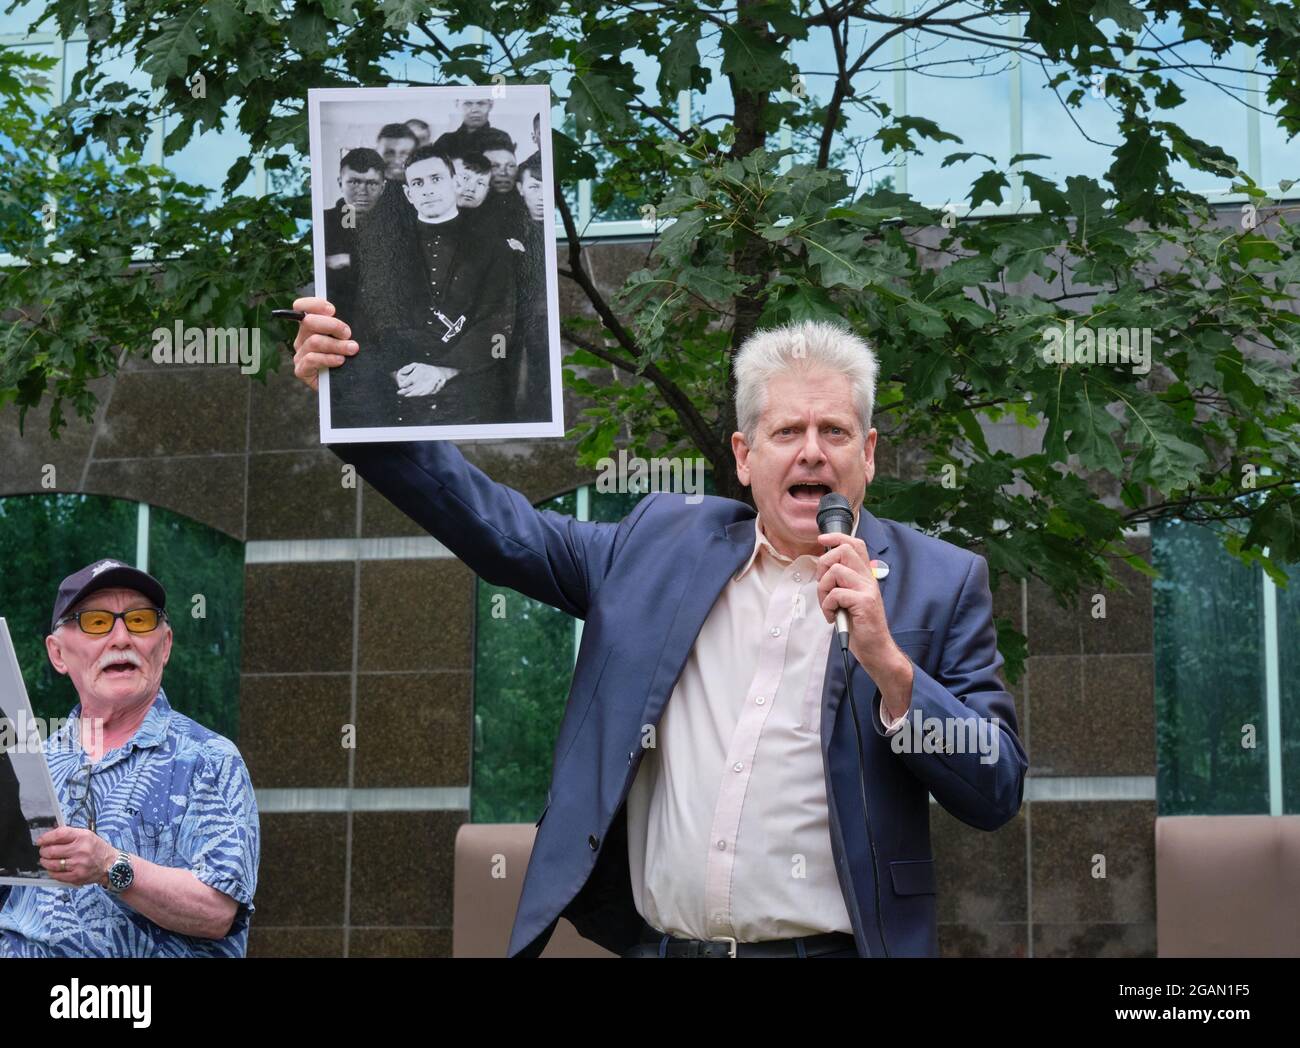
{"x": 205, "y": 158}
{"x": 852, "y": 150}
{"x": 625, "y": 206}
{"x": 40, "y": 104}
{"x": 1050, "y": 128}
{"x": 1215, "y": 111}
{"x": 116, "y": 68}
{"x": 1288, "y": 646}
{"x": 713, "y": 107}
{"x": 562, "y": 121}
{"x": 1209, "y": 676}
{"x": 964, "y": 86}
{"x": 192, "y": 561}
{"x": 1279, "y": 157}
{"x": 523, "y": 667}
{"x": 44, "y": 538}
{"x": 20, "y": 19}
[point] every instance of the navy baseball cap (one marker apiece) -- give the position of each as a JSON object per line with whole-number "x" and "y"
{"x": 105, "y": 574}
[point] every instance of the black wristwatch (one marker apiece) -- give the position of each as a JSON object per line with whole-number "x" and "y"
{"x": 120, "y": 875}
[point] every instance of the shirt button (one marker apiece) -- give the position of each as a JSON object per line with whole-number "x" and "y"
{"x": 798, "y": 577}
{"x": 738, "y": 766}
{"x": 594, "y": 842}
{"x": 760, "y": 700}
{"x": 775, "y": 631}
{"x": 722, "y": 845}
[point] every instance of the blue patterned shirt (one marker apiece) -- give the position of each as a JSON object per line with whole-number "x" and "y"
{"x": 176, "y": 794}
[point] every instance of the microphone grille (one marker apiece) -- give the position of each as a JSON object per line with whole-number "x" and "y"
{"x": 834, "y": 508}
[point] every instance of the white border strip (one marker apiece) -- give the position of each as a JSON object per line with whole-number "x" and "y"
{"x": 314, "y": 551}
{"x": 456, "y": 798}
{"x": 1090, "y": 788}
{"x": 429, "y": 798}
{"x": 1039, "y": 788}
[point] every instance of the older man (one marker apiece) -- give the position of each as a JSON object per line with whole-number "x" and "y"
{"x": 159, "y": 855}
{"x": 721, "y": 787}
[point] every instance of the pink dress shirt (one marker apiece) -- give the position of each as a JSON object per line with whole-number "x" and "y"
{"x": 728, "y": 827}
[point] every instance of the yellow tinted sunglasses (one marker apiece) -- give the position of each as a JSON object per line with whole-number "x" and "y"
{"x": 98, "y": 622}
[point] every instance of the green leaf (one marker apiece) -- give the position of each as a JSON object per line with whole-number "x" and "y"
{"x": 966, "y": 309}
{"x": 1091, "y": 427}
{"x": 597, "y": 104}
{"x": 678, "y": 61}
{"x": 1087, "y": 203}
{"x": 307, "y": 32}
{"x": 756, "y": 62}
{"x": 399, "y": 13}
{"x": 1169, "y": 96}
{"x": 1121, "y": 12}
{"x": 1024, "y": 247}
{"x": 174, "y": 45}
{"x": 1255, "y": 245}
{"x": 782, "y": 19}
{"x": 988, "y": 187}
{"x": 343, "y": 11}
{"x": 1166, "y": 460}
{"x": 961, "y": 158}
{"x": 898, "y": 133}
{"x": 679, "y": 238}
{"x": 840, "y": 258}
{"x": 224, "y": 19}
{"x": 928, "y": 380}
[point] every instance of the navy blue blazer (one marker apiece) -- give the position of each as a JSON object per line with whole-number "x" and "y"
{"x": 644, "y": 587}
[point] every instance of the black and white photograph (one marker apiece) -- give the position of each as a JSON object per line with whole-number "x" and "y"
{"x": 29, "y": 806}
{"x": 433, "y": 237}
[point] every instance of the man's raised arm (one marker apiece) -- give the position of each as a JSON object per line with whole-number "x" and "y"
{"x": 492, "y": 528}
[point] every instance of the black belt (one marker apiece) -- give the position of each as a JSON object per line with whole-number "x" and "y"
{"x": 653, "y": 945}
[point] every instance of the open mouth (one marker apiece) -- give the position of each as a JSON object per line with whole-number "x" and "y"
{"x": 119, "y": 669}
{"x": 808, "y": 492}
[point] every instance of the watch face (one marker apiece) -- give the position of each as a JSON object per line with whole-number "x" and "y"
{"x": 120, "y": 876}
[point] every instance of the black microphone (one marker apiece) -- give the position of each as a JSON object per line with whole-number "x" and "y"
{"x": 835, "y": 517}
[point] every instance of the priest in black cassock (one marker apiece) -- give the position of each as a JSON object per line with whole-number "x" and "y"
{"x": 436, "y": 310}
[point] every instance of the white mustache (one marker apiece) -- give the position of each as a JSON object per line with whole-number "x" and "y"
{"x": 110, "y": 657}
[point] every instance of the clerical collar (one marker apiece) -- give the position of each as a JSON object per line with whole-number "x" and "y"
{"x": 436, "y": 221}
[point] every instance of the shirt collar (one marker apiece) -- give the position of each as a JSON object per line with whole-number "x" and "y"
{"x": 152, "y": 730}
{"x": 764, "y": 545}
